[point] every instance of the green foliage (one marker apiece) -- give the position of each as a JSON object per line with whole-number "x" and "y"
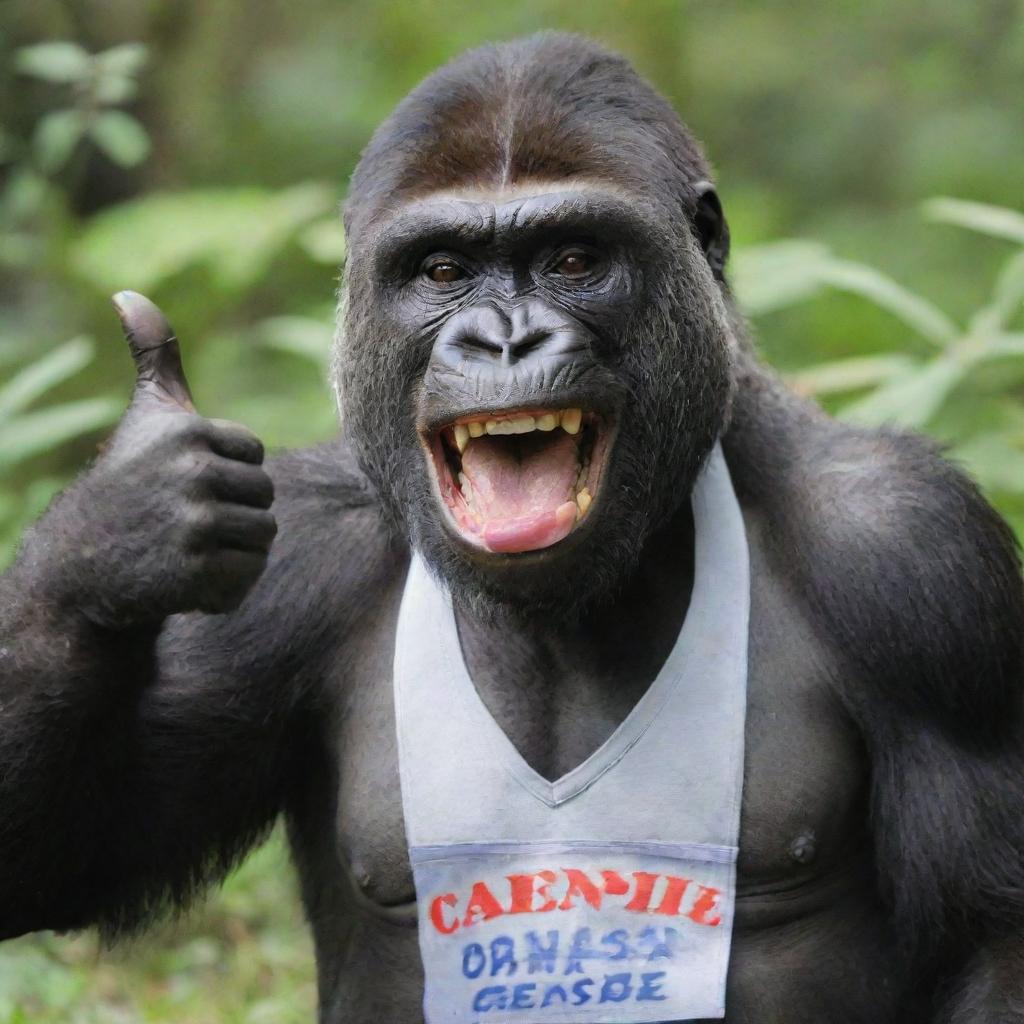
{"x": 974, "y": 368}
{"x": 981, "y": 217}
{"x": 26, "y": 432}
{"x": 233, "y": 234}
{"x": 778, "y": 274}
{"x": 60, "y": 62}
{"x": 121, "y": 137}
{"x": 97, "y": 82}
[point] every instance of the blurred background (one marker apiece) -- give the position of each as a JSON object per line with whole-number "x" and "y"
{"x": 870, "y": 159}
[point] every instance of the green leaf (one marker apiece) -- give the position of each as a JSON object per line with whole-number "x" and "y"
{"x": 768, "y": 277}
{"x": 915, "y": 311}
{"x": 25, "y": 193}
{"x": 324, "y": 240}
{"x": 911, "y": 398}
{"x": 233, "y": 232}
{"x": 997, "y": 221}
{"x": 126, "y": 60}
{"x": 300, "y": 335}
{"x": 121, "y": 137}
{"x": 114, "y": 89}
{"x": 43, "y": 375}
{"x": 1001, "y": 346}
{"x": 62, "y": 62}
{"x": 56, "y": 136}
{"x": 995, "y": 461}
{"x": 36, "y": 432}
{"x": 849, "y": 374}
{"x": 1008, "y": 296}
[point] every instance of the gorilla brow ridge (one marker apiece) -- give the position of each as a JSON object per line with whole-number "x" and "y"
{"x": 426, "y": 223}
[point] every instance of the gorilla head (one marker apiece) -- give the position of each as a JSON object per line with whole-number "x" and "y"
{"x": 535, "y": 354}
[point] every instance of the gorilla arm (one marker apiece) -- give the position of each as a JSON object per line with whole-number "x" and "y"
{"x": 930, "y": 620}
{"x": 138, "y": 764}
{"x": 948, "y": 816}
{"x": 132, "y": 772}
{"x": 142, "y": 751}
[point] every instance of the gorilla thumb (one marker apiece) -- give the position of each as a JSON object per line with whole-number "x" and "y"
{"x": 154, "y": 348}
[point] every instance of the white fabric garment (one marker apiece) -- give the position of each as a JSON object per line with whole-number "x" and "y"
{"x": 608, "y": 894}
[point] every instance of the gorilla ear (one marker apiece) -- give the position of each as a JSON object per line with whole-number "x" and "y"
{"x": 712, "y": 230}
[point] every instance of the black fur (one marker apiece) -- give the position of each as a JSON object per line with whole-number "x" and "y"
{"x": 916, "y": 580}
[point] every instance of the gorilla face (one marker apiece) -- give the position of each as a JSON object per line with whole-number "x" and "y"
{"x": 535, "y": 354}
{"x": 533, "y": 378}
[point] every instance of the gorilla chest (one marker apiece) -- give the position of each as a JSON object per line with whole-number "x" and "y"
{"x": 802, "y": 813}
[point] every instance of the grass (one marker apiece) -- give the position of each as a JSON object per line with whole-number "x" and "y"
{"x": 243, "y": 957}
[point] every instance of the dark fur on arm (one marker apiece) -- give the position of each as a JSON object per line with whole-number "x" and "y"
{"x": 917, "y": 580}
{"x": 929, "y": 615}
{"x": 136, "y": 767}
{"x": 991, "y": 989}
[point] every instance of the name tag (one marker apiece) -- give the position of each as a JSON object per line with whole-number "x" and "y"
{"x": 578, "y": 933}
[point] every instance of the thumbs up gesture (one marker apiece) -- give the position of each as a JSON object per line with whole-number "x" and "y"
{"x": 174, "y": 516}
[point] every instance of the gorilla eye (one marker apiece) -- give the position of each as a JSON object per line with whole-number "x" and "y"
{"x": 574, "y": 263}
{"x": 443, "y": 271}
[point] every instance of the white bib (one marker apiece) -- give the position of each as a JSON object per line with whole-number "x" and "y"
{"x": 608, "y": 894}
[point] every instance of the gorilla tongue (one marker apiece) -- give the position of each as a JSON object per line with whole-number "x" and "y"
{"x": 521, "y": 488}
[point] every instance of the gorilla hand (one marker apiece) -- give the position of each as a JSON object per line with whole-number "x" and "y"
{"x": 173, "y": 517}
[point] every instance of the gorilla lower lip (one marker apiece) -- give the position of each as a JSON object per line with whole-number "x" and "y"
{"x": 513, "y": 482}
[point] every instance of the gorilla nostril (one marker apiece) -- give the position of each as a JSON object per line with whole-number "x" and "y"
{"x": 524, "y": 346}
{"x": 507, "y": 349}
{"x": 486, "y": 344}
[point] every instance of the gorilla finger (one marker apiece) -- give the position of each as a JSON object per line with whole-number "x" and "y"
{"x": 242, "y": 527}
{"x": 155, "y": 351}
{"x": 239, "y": 483}
{"x": 234, "y": 441}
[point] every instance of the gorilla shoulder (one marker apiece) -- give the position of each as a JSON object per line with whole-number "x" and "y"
{"x": 319, "y": 484}
{"x": 332, "y": 529}
{"x": 904, "y": 564}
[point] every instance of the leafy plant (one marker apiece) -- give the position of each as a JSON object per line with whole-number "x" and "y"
{"x": 964, "y": 383}
{"x": 98, "y": 84}
{"x": 232, "y": 233}
{"x": 26, "y": 432}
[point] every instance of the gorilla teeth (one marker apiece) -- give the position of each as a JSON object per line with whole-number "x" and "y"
{"x": 570, "y": 420}
{"x": 519, "y": 425}
{"x": 583, "y": 500}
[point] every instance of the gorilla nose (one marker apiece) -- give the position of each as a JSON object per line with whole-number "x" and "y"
{"x": 488, "y": 334}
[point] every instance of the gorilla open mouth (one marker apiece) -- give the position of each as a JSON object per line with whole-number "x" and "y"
{"x": 519, "y": 481}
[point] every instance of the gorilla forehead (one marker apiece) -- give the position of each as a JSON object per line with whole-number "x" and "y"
{"x": 551, "y": 108}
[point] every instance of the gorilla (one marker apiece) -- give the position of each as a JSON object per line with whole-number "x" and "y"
{"x": 578, "y": 572}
